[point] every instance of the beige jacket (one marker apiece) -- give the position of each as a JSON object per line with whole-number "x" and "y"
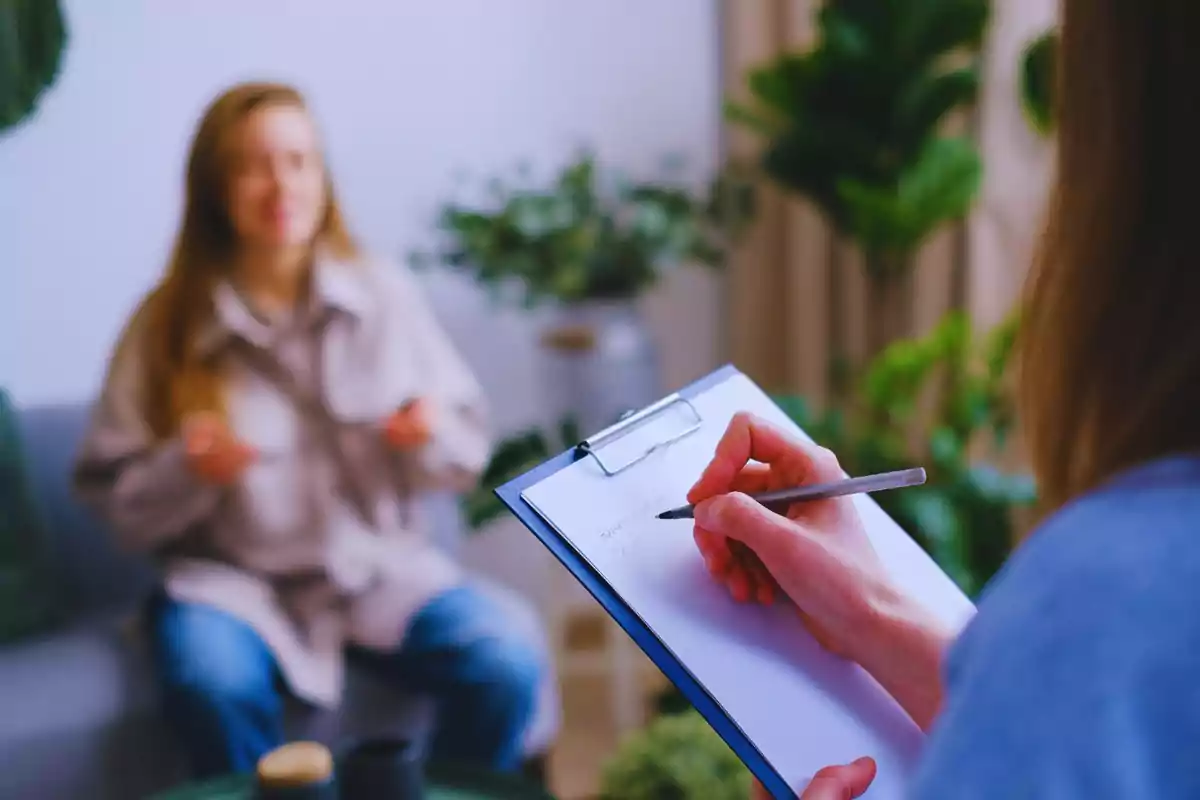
{"x": 318, "y": 544}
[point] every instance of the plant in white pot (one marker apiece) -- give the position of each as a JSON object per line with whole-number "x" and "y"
{"x": 589, "y": 243}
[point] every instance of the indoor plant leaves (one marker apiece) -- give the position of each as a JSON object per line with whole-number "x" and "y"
{"x": 855, "y": 122}
{"x": 1036, "y": 81}
{"x": 965, "y": 514}
{"x": 676, "y": 757}
{"x": 579, "y": 238}
{"x": 33, "y": 35}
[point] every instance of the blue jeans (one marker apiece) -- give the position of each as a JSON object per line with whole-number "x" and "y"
{"x": 221, "y": 684}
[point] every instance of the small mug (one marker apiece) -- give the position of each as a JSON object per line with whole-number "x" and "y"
{"x": 381, "y": 768}
{"x": 296, "y": 771}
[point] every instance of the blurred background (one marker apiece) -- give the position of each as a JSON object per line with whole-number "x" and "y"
{"x": 604, "y": 200}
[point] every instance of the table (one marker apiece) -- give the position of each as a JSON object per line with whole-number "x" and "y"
{"x": 443, "y": 782}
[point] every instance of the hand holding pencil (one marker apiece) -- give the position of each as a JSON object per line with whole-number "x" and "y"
{"x": 816, "y": 552}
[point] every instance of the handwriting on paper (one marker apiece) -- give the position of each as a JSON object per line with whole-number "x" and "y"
{"x": 644, "y": 509}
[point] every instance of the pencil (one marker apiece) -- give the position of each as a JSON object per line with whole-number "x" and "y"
{"x": 781, "y": 499}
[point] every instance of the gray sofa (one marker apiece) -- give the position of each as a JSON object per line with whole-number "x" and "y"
{"x": 78, "y": 717}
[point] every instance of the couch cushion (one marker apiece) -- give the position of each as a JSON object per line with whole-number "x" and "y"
{"x": 94, "y": 574}
{"x": 84, "y": 676}
{"x": 27, "y": 592}
{"x": 79, "y": 718}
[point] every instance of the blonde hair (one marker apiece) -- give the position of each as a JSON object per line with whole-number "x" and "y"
{"x": 177, "y": 380}
{"x": 1110, "y": 345}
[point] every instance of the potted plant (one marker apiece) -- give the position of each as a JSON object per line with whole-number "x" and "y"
{"x": 33, "y": 36}
{"x": 677, "y": 756}
{"x": 512, "y": 457}
{"x": 967, "y": 513}
{"x": 855, "y": 124}
{"x": 589, "y": 243}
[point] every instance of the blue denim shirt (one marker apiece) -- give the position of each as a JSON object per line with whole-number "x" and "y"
{"x": 1080, "y": 675}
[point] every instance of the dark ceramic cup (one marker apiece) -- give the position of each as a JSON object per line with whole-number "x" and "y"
{"x": 380, "y": 768}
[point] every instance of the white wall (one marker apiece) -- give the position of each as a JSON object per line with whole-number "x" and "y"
{"x": 409, "y": 94}
{"x": 1006, "y": 221}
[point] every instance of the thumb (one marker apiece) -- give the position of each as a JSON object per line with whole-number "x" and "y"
{"x": 841, "y": 782}
{"x": 737, "y": 516}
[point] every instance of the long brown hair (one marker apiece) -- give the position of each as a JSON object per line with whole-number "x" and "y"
{"x": 177, "y": 380}
{"x": 1110, "y": 345}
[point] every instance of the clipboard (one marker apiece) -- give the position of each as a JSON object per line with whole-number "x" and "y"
{"x": 599, "y": 448}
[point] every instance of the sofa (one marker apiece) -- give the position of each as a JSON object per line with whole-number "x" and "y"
{"x": 78, "y": 713}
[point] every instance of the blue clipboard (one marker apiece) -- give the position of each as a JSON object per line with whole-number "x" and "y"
{"x": 619, "y": 610}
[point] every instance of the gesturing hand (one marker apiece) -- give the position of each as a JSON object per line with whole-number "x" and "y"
{"x": 843, "y": 782}
{"x": 213, "y": 452}
{"x": 409, "y": 426}
{"x": 818, "y": 553}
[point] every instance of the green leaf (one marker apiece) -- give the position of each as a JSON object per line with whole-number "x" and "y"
{"x": 945, "y": 448}
{"x": 933, "y": 28}
{"x": 927, "y": 101}
{"x": 941, "y": 528}
{"x": 1037, "y": 81}
{"x": 938, "y": 188}
{"x": 578, "y": 238}
{"x": 852, "y": 123}
{"x": 568, "y": 432}
{"x": 33, "y": 36}
{"x": 797, "y": 408}
{"x": 481, "y": 508}
{"x": 677, "y": 756}
{"x": 1000, "y": 488}
{"x": 942, "y": 183}
{"x": 781, "y": 85}
{"x": 761, "y": 122}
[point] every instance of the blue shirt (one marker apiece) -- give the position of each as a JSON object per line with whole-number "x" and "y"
{"x": 1079, "y": 677}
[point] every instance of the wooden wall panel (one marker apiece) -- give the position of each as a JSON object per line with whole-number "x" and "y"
{"x": 795, "y": 295}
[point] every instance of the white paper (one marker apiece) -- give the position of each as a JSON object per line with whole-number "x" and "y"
{"x": 802, "y": 708}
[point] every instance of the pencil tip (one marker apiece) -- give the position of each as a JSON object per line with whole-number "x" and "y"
{"x": 663, "y": 515}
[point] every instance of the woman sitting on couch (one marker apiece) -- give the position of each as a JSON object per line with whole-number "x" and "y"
{"x": 268, "y": 417}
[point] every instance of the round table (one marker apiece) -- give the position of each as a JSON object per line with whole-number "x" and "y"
{"x": 443, "y": 782}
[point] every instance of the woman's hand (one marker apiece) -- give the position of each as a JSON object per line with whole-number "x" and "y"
{"x": 843, "y": 782}
{"x": 214, "y": 453}
{"x": 819, "y": 555}
{"x": 408, "y": 428}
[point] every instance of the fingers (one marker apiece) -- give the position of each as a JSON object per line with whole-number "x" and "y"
{"x": 199, "y": 443}
{"x": 760, "y": 586}
{"x": 754, "y": 478}
{"x": 736, "y": 516}
{"x": 409, "y": 425}
{"x": 714, "y": 549}
{"x": 244, "y": 454}
{"x": 842, "y": 782}
{"x": 415, "y": 412}
{"x": 213, "y": 449}
{"x": 201, "y": 433}
{"x": 736, "y": 566}
{"x": 749, "y": 438}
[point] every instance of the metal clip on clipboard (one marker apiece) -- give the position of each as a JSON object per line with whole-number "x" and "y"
{"x": 633, "y": 420}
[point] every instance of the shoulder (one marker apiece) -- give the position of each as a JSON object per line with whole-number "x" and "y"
{"x": 1131, "y": 546}
{"x": 1120, "y": 564}
{"x": 375, "y": 282}
{"x": 1083, "y": 648}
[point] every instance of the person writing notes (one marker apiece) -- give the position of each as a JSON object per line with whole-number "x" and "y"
{"x": 1076, "y": 677}
{"x": 269, "y": 417}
